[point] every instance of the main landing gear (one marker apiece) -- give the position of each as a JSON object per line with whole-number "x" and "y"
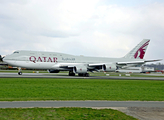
{"x": 71, "y": 73}
{"x": 19, "y": 71}
{"x": 84, "y": 74}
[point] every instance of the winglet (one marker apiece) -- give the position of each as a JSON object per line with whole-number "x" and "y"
{"x": 139, "y": 51}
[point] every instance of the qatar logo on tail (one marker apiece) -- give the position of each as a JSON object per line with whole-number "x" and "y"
{"x": 141, "y": 51}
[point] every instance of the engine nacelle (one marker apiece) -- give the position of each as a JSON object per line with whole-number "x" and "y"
{"x": 80, "y": 69}
{"x": 53, "y": 71}
{"x": 109, "y": 67}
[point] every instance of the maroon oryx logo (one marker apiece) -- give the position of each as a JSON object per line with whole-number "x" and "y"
{"x": 141, "y": 51}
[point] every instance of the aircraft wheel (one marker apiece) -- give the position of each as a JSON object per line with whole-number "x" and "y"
{"x": 19, "y": 73}
{"x": 84, "y": 74}
{"x": 80, "y": 74}
{"x": 71, "y": 74}
{"x": 87, "y": 74}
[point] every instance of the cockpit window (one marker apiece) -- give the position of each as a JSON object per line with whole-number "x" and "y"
{"x": 16, "y": 52}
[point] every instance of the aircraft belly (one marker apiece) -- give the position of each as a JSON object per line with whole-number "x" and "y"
{"x": 38, "y": 65}
{"x": 12, "y": 63}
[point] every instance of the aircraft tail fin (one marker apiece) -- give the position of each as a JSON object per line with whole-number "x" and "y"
{"x": 139, "y": 51}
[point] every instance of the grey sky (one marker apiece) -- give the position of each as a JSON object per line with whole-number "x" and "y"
{"x": 106, "y": 28}
{"x": 132, "y": 3}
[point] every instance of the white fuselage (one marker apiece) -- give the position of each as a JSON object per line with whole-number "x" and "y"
{"x": 54, "y": 60}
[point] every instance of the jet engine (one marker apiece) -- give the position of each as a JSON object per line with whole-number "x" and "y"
{"x": 109, "y": 67}
{"x": 53, "y": 71}
{"x": 80, "y": 69}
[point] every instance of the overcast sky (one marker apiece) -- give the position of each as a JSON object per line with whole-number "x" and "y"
{"x": 102, "y": 28}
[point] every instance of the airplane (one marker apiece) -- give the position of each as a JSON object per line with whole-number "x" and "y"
{"x": 55, "y": 62}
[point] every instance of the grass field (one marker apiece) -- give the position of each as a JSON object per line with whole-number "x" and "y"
{"x": 18, "y": 89}
{"x": 62, "y": 114}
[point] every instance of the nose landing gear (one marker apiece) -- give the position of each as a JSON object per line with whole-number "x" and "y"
{"x": 19, "y": 71}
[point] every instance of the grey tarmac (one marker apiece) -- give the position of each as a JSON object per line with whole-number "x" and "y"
{"x": 58, "y": 75}
{"x": 57, "y": 104}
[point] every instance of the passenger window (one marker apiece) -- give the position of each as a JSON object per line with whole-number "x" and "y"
{"x": 16, "y": 52}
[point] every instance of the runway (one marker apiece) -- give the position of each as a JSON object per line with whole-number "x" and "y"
{"x": 88, "y": 104}
{"x": 51, "y": 75}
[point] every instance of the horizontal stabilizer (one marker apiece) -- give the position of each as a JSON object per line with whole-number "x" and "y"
{"x": 132, "y": 62}
{"x": 153, "y": 60}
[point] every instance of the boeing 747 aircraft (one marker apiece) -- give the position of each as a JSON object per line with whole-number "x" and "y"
{"x": 55, "y": 62}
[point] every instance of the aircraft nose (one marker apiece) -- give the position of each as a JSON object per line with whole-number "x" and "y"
{"x": 1, "y": 58}
{"x": 4, "y": 59}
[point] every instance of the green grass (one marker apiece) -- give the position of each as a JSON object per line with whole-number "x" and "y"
{"x": 62, "y": 114}
{"x": 23, "y": 89}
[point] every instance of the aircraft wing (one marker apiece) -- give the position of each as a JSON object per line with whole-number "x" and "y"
{"x": 109, "y": 67}
{"x": 124, "y": 63}
{"x": 96, "y": 64}
{"x": 99, "y": 65}
{"x": 113, "y": 66}
{"x": 67, "y": 65}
